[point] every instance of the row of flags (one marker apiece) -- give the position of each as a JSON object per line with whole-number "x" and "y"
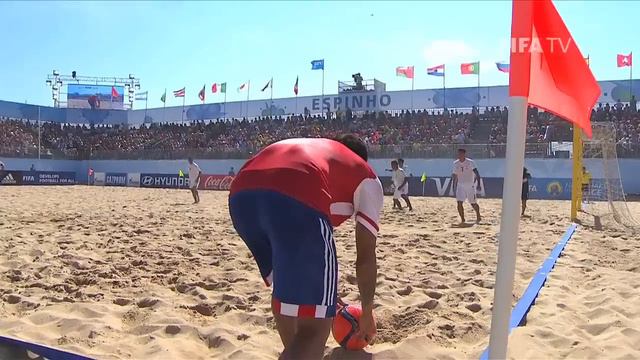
{"x": 472, "y": 68}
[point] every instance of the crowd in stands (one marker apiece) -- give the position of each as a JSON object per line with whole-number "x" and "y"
{"x": 416, "y": 130}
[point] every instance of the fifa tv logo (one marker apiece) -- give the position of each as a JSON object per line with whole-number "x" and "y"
{"x": 520, "y": 45}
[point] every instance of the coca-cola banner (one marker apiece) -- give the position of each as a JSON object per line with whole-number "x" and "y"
{"x": 215, "y": 182}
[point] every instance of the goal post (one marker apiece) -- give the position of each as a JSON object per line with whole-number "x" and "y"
{"x": 576, "y": 179}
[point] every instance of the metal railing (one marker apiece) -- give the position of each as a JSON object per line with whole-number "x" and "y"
{"x": 415, "y": 151}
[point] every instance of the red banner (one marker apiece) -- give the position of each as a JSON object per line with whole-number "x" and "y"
{"x": 215, "y": 182}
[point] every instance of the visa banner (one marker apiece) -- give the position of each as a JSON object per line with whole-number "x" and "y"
{"x": 115, "y": 179}
{"x": 167, "y": 181}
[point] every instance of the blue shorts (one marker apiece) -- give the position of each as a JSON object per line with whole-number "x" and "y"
{"x": 293, "y": 246}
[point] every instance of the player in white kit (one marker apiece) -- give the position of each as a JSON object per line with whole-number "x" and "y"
{"x": 465, "y": 180}
{"x": 194, "y": 180}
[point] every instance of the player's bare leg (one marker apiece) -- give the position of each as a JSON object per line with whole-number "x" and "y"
{"x": 524, "y": 206}
{"x": 407, "y": 201}
{"x": 461, "y": 211}
{"x": 476, "y": 207}
{"x": 196, "y": 196}
{"x": 303, "y": 338}
{"x": 397, "y": 204}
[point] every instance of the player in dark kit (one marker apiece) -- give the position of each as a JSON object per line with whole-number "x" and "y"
{"x": 526, "y": 177}
{"x": 284, "y": 204}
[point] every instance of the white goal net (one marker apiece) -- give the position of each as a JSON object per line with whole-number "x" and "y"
{"x": 603, "y": 196}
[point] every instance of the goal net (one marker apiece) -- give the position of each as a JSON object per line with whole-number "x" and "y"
{"x": 603, "y": 196}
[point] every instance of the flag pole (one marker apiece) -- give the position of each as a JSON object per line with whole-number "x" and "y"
{"x": 39, "y": 134}
{"x": 479, "y": 89}
{"x": 412, "y": 83}
{"x": 630, "y": 75}
{"x": 271, "y": 101}
{"x": 183, "y": 97}
{"x": 146, "y": 102}
{"x": 322, "y": 105}
{"x": 164, "y": 105}
{"x": 508, "y": 238}
{"x": 444, "y": 88}
{"x": 248, "y": 90}
{"x": 225, "y": 102}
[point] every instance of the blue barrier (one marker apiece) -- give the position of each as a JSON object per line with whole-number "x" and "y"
{"x": 520, "y": 311}
{"x": 46, "y": 352}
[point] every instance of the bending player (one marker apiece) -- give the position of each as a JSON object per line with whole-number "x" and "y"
{"x": 194, "y": 180}
{"x": 464, "y": 175}
{"x": 284, "y": 203}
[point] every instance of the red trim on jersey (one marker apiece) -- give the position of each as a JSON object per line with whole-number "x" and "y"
{"x": 368, "y": 219}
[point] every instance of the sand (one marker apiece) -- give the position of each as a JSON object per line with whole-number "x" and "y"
{"x": 142, "y": 273}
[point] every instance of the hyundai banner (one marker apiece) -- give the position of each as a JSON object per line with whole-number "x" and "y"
{"x": 168, "y": 181}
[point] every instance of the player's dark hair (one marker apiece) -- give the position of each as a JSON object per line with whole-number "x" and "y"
{"x": 400, "y": 160}
{"x": 354, "y": 144}
{"x": 462, "y": 150}
{"x": 394, "y": 162}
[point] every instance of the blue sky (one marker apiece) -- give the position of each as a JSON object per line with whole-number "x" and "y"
{"x": 175, "y": 44}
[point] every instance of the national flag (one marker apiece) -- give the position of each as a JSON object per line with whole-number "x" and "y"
{"x": 504, "y": 67}
{"x": 317, "y": 64}
{"x": 269, "y": 85}
{"x": 470, "y": 68}
{"x": 214, "y": 88}
{"x": 555, "y": 79}
{"x": 625, "y": 60}
{"x": 223, "y": 88}
{"x": 436, "y": 70}
{"x": 295, "y": 87}
{"x": 219, "y": 87}
{"x": 406, "y": 71}
{"x": 201, "y": 93}
{"x": 114, "y": 92}
{"x": 180, "y": 173}
{"x": 424, "y": 177}
{"x": 179, "y": 93}
{"x": 242, "y": 87}
{"x": 163, "y": 98}
{"x": 142, "y": 95}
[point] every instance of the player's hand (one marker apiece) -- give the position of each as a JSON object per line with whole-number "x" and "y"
{"x": 340, "y": 303}
{"x": 367, "y": 327}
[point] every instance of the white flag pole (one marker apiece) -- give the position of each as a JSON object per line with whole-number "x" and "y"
{"x": 509, "y": 222}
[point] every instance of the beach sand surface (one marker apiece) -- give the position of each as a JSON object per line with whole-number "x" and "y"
{"x": 130, "y": 273}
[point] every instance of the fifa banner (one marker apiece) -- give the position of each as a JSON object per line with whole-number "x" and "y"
{"x": 165, "y": 181}
{"x": 115, "y": 179}
{"x": 539, "y": 188}
{"x": 37, "y": 178}
{"x": 215, "y": 182}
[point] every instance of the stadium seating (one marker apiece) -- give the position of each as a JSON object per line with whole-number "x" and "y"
{"x": 420, "y": 133}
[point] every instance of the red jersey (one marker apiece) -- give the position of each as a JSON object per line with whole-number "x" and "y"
{"x": 321, "y": 173}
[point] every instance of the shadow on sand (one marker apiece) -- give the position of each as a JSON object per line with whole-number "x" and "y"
{"x": 339, "y": 353}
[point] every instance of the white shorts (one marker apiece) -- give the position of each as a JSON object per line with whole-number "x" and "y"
{"x": 397, "y": 193}
{"x": 193, "y": 184}
{"x": 466, "y": 192}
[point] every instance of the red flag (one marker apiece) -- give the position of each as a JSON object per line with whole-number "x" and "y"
{"x": 214, "y": 88}
{"x": 295, "y": 87}
{"x": 114, "y": 92}
{"x": 405, "y": 71}
{"x": 201, "y": 93}
{"x": 547, "y": 66}
{"x": 625, "y": 60}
